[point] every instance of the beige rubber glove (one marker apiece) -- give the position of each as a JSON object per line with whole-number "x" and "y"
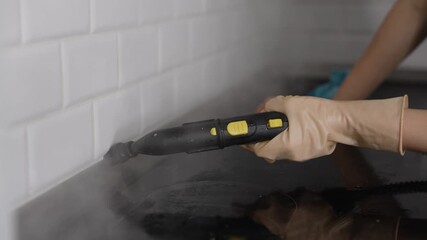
{"x": 316, "y": 125}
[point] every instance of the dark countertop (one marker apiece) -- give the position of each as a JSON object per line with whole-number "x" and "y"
{"x": 98, "y": 203}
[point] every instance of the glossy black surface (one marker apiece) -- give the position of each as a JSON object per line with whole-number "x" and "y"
{"x": 106, "y": 202}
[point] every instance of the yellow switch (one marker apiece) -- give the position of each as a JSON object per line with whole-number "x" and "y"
{"x": 213, "y": 132}
{"x": 238, "y": 128}
{"x": 275, "y": 123}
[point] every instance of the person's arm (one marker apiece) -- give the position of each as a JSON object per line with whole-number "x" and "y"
{"x": 415, "y": 130}
{"x": 401, "y": 32}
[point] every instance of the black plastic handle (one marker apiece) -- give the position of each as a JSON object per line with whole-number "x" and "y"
{"x": 212, "y": 134}
{"x": 261, "y": 127}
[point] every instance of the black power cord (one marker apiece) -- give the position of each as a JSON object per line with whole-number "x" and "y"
{"x": 344, "y": 200}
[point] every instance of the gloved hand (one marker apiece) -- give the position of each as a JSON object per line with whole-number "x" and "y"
{"x": 316, "y": 125}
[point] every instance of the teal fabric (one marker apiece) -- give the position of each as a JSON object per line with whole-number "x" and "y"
{"x": 329, "y": 89}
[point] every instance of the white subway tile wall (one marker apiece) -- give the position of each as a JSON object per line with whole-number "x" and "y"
{"x": 117, "y": 118}
{"x": 138, "y": 54}
{"x": 13, "y": 146}
{"x": 366, "y": 17}
{"x": 90, "y": 66}
{"x": 30, "y": 82}
{"x": 215, "y": 75}
{"x": 188, "y": 7}
{"x": 174, "y": 44}
{"x": 158, "y": 105}
{"x": 155, "y": 10}
{"x": 110, "y": 14}
{"x": 205, "y": 32}
{"x": 189, "y": 86}
{"x": 216, "y": 4}
{"x": 337, "y": 32}
{"x": 53, "y": 18}
{"x": 77, "y": 76}
{"x": 59, "y": 145}
{"x": 9, "y": 22}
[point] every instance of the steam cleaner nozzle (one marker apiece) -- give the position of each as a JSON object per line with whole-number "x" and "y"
{"x": 203, "y": 136}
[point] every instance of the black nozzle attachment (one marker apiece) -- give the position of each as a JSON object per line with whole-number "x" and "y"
{"x": 119, "y": 153}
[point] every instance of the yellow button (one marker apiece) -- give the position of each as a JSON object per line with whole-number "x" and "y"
{"x": 238, "y": 128}
{"x": 213, "y": 132}
{"x": 275, "y": 123}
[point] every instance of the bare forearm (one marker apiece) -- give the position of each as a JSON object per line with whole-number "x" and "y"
{"x": 401, "y": 32}
{"x": 415, "y": 130}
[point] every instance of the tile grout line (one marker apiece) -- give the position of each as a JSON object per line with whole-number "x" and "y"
{"x": 91, "y": 16}
{"x": 109, "y": 92}
{"x": 29, "y": 165}
{"x": 35, "y": 193}
{"x": 89, "y": 9}
{"x": 64, "y": 83}
{"x": 141, "y": 107}
{"x": 21, "y": 22}
{"x": 119, "y": 63}
{"x": 191, "y": 48}
{"x": 112, "y": 29}
{"x": 160, "y": 49}
{"x": 94, "y": 131}
{"x": 204, "y": 6}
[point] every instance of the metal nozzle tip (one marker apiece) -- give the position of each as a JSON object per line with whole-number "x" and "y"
{"x": 119, "y": 153}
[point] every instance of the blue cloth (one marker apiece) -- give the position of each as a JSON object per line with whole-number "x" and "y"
{"x": 329, "y": 89}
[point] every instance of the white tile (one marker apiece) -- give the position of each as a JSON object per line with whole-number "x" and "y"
{"x": 205, "y": 36}
{"x": 6, "y": 224}
{"x": 188, "y": 7}
{"x": 117, "y": 119}
{"x": 158, "y": 102}
{"x": 189, "y": 87}
{"x": 139, "y": 54}
{"x": 312, "y": 17}
{"x": 235, "y": 65}
{"x": 155, "y": 10}
{"x": 216, "y": 4}
{"x": 30, "y": 82}
{"x": 238, "y": 25}
{"x": 90, "y": 66}
{"x": 295, "y": 51}
{"x": 365, "y": 16}
{"x": 214, "y": 76}
{"x": 13, "y": 177}
{"x": 337, "y": 48}
{"x": 54, "y": 18}
{"x": 238, "y": 2}
{"x": 108, "y": 14}
{"x": 60, "y": 146}
{"x": 174, "y": 44}
{"x": 224, "y": 29}
{"x": 268, "y": 16}
{"x": 328, "y": 17}
{"x": 10, "y": 24}
{"x": 14, "y": 167}
{"x": 242, "y": 64}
